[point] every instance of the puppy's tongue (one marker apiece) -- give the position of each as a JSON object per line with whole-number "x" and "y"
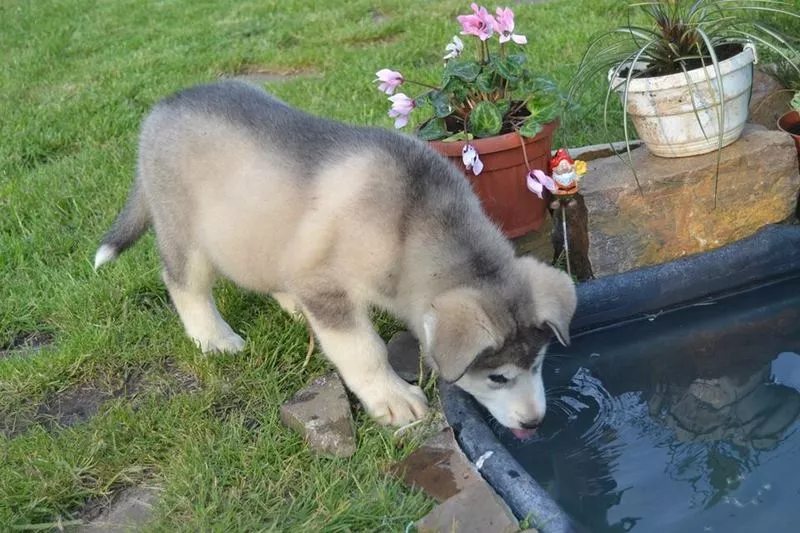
{"x": 523, "y": 434}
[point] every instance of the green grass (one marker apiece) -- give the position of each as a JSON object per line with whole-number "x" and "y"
{"x": 77, "y": 78}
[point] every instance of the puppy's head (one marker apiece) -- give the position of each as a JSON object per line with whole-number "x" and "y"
{"x": 491, "y": 341}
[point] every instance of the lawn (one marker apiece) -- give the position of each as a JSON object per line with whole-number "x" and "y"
{"x": 77, "y": 78}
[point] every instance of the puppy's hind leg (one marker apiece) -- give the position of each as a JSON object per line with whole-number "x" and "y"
{"x": 359, "y": 354}
{"x": 189, "y": 282}
{"x": 289, "y": 304}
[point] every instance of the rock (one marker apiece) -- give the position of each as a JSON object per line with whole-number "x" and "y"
{"x": 128, "y": 513}
{"x": 769, "y": 100}
{"x": 438, "y": 467}
{"x": 404, "y": 356}
{"x": 596, "y": 151}
{"x": 675, "y": 216}
{"x": 476, "y": 509}
{"x": 321, "y": 414}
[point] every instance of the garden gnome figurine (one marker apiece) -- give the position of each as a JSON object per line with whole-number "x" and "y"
{"x": 565, "y": 173}
{"x": 568, "y": 203}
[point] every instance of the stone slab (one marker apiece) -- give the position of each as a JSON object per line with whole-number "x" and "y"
{"x": 128, "y": 513}
{"x": 597, "y": 151}
{"x": 675, "y": 215}
{"x": 476, "y": 509}
{"x": 438, "y": 467}
{"x": 321, "y": 414}
{"x": 768, "y": 100}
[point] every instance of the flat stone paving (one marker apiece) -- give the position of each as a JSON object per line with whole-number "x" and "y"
{"x": 321, "y": 414}
{"x": 130, "y": 510}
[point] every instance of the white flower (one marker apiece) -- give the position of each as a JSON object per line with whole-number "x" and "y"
{"x": 469, "y": 156}
{"x": 454, "y": 48}
{"x": 402, "y": 106}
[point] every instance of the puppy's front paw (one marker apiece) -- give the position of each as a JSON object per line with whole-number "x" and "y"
{"x": 230, "y": 343}
{"x": 394, "y": 402}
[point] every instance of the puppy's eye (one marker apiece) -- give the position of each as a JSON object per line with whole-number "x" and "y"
{"x": 498, "y": 378}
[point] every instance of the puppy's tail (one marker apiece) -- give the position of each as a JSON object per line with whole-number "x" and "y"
{"x": 130, "y": 225}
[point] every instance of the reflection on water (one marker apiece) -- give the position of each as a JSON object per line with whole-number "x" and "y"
{"x": 686, "y": 423}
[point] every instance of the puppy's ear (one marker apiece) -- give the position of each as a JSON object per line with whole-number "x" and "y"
{"x": 456, "y": 329}
{"x": 554, "y": 297}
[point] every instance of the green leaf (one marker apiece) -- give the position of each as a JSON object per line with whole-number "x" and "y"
{"x": 458, "y": 91}
{"x": 466, "y": 70}
{"x": 509, "y": 67}
{"x": 504, "y": 106}
{"x": 422, "y": 99}
{"x": 543, "y": 90}
{"x": 460, "y": 136}
{"x": 485, "y": 82}
{"x": 543, "y": 114}
{"x": 540, "y": 84}
{"x": 441, "y": 104}
{"x": 485, "y": 120}
{"x": 433, "y": 130}
{"x": 543, "y": 108}
{"x": 530, "y": 128}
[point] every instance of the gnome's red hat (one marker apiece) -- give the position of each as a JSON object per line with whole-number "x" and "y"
{"x": 561, "y": 155}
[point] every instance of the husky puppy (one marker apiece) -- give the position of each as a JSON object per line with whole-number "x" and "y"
{"x": 332, "y": 219}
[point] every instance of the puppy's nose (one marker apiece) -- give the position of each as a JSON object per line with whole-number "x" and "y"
{"x": 531, "y": 424}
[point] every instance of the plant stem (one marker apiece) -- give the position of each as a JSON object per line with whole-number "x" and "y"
{"x": 422, "y": 84}
{"x": 524, "y": 151}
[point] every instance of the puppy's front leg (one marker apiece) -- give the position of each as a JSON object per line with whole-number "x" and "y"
{"x": 351, "y": 343}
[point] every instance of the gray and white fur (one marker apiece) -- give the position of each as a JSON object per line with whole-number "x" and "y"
{"x": 332, "y": 219}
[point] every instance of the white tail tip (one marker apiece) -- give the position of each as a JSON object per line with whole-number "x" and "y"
{"x": 104, "y": 254}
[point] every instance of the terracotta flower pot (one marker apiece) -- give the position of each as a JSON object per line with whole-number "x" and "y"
{"x": 501, "y": 186}
{"x": 790, "y": 123}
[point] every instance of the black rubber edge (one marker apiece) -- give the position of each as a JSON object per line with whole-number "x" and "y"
{"x": 526, "y": 498}
{"x": 771, "y": 253}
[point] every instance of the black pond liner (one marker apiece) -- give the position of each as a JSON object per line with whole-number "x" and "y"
{"x": 770, "y": 255}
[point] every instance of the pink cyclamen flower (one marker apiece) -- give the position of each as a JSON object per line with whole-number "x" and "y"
{"x": 480, "y": 23}
{"x": 504, "y": 25}
{"x": 454, "y": 48}
{"x": 538, "y": 181}
{"x": 402, "y": 106}
{"x": 389, "y": 80}
{"x": 469, "y": 156}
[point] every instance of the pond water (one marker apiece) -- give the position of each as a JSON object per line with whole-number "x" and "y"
{"x": 688, "y": 421}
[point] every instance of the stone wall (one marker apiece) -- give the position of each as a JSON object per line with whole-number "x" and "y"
{"x": 674, "y": 215}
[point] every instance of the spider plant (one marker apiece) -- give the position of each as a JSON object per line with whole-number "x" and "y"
{"x": 664, "y": 37}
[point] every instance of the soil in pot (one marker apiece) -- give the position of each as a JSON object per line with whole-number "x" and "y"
{"x": 455, "y": 123}
{"x": 725, "y": 51}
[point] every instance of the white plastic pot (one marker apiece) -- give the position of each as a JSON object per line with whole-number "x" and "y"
{"x": 662, "y": 112}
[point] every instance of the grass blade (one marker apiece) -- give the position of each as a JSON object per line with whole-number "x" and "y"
{"x": 721, "y": 112}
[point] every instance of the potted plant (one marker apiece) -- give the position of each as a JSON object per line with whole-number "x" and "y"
{"x": 790, "y": 122}
{"x": 490, "y": 115}
{"x": 683, "y": 70}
